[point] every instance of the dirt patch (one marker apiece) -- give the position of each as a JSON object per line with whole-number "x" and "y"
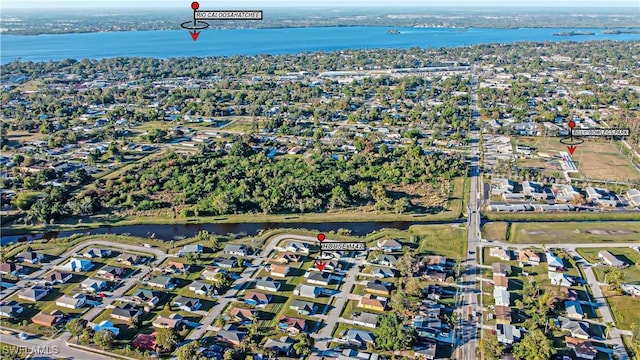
{"x": 533, "y": 232}
{"x": 610, "y": 232}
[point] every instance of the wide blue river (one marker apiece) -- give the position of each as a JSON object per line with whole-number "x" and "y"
{"x": 178, "y": 43}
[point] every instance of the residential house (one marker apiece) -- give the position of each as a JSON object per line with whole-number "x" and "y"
{"x": 202, "y": 289}
{"x": 175, "y": 267}
{"x": 430, "y": 308}
{"x": 426, "y": 350}
{"x": 528, "y": 257}
{"x": 503, "y": 314}
{"x": 501, "y": 282}
{"x": 10, "y": 309}
{"x": 147, "y": 297}
{"x": 633, "y": 196}
{"x": 578, "y": 329}
{"x": 145, "y": 342}
{"x": 230, "y": 335}
{"x": 533, "y": 190}
{"x": 256, "y": 298}
{"x": 501, "y": 297}
{"x": 125, "y": 312}
{"x": 191, "y": 249}
{"x": 78, "y": 265}
{"x": 268, "y": 284}
{"x": 308, "y": 291}
{"x": 435, "y": 275}
{"x": 298, "y": 247}
{"x": 351, "y": 354}
{"x": 501, "y": 186}
{"x": 373, "y": 302}
{"x": 435, "y": 262}
{"x": 106, "y": 325}
{"x": 111, "y": 273}
{"x": 389, "y": 245}
{"x": 57, "y": 277}
{"x": 610, "y": 259}
{"x": 34, "y": 293}
{"x": 187, "y": 303}
{"x": 93, "y": 285}
{"x": 162, "y": 282}
{"x": 30, "y": 257}
{"x": 210, "y": 273}
{"x": 76, "y": 301}
{"x": 382, "y": 272}
{"x": 286, "y": 258}
{"x": 332, "y": 265}
{"x": 584, "y": 349}
{"x": 500, "y": 253}
{"x": 130, "y": 259}
{"x": 237, "y": 250}
{"x": 359, "y": 338}
{"x": 554, "y": 262}
{"x": 508, "y": 334}
{"x": 303, "y": 307}
{"x": 388, "y": 259}
{"x": 281, "y": 347}
{"x": 560, "y": 279}
{"x": 432, "y": 292}
{"x": 227, "y": 263}
{"x": 569, "y": 294}
{"x": 10, "y": 269}
{"x": 501, "y": 269}
{"x": 47, "y": 320}
{"x": 319, "y": 278}
{"x": 631, "y": 289}
{"x": 96, "y": 253}
{"x": 279, "y": 270}
{"x": 292, "y": 325}
{"x": 378, "y": 287}
{"x": 173, "y": 321}
{"x": 365, "y": 319}
{"x": 574, "y": 310}
{"x": 244, "y": 316}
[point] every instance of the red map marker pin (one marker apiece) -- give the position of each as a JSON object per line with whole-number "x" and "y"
{"x": 195, "y": 5}
{"x": 572, "y": 124}
{"x": 320, "y": 265}
{"x": 321, "y": 237}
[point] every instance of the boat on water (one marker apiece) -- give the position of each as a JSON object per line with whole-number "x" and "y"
{"x": 393, "y": 31}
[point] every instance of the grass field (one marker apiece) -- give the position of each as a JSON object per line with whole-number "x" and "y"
{"x": 495, "y": 231}
{"x": 625, "y": 309}
{"x": 574, "y": 232}
{"x": 600, "y": 160}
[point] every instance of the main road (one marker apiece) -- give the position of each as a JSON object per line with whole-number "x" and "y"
{"x": 468, "y": 309}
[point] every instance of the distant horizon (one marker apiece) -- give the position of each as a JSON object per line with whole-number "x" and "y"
{"x": 325, "y": 4}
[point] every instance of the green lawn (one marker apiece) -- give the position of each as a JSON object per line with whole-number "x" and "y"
{"x": 574, "y": 232}
{"x": 445, "y": 240}
{"x": 495, "y": 230}
{"x": 625, "y": 309}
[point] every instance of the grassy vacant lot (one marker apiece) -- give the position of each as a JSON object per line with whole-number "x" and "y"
{"x": 600, "y": 160}
{"x": 574, "y": 232}
{"x": 625, "y": 309}
{"x": 446, "y": 240}
{"x": 495, "y": 230}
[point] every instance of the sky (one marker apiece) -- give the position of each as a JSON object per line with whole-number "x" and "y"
{"x": 211, "y": 4}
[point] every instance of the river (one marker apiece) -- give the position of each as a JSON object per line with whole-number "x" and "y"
{"x": 177, "y": 43}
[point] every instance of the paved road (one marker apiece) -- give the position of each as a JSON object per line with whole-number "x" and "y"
{"x": 467, "y": 333}
{"x": 603, "y": 306}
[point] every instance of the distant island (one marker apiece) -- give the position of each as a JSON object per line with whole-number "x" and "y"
{"x": 574, "y": 33}
{"x": 393, "y": 31}
{"x": 616, "y": 32}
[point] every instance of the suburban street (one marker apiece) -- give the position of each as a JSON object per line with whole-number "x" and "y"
{"x": 468, "y": 301}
